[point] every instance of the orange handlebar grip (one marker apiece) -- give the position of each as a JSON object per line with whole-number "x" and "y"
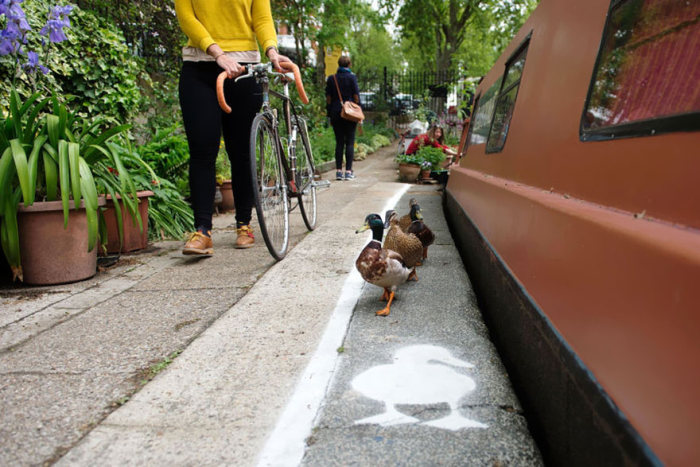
{"x": 289, "y": 66}
{"x": 220, "y": 92}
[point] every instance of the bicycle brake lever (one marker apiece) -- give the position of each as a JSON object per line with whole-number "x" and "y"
{"x": 248, "y": 72}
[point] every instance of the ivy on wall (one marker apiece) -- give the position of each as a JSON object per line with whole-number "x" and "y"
{"x": 93, "y": 68}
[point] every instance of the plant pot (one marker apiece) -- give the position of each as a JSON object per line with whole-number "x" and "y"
{"x": 409, "y": 172}
{"x": 134, "y": 238}
{"x": 227, "y": 196}
{"x": 425, "y": 174}
{"x": 52, "y": 254}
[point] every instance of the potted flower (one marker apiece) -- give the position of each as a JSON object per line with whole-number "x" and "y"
{"x": 53, "y": 167}
{"x": 425, "y": 168}
{"x": 409, "y": 167}
{"x": 432, "y": 155}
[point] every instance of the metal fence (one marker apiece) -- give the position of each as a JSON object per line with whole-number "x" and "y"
{"x": 408, "y": 95}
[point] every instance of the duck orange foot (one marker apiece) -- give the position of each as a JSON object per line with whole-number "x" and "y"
{"x": 385, "y": 296}
{"x": 387, "y": 310}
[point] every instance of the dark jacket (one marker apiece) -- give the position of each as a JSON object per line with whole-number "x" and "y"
{"x": 347, "y": 82}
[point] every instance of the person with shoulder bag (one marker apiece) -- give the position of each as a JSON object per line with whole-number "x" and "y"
{"x": 344, "y": 111}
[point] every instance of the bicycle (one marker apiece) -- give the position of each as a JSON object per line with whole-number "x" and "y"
{"x": 280, "y": 174}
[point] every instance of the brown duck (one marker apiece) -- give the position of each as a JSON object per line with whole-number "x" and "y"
{"x": 420, "y": 230}
{"x": 407, "y": 245}
{"x": 380, "y": 266}
{"x": 406, "y": 220}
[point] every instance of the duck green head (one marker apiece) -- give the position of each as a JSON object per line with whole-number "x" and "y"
{"x": 415, "y": 212}
{"x": 373, "y": 222}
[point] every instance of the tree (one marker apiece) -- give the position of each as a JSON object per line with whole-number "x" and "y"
{"x": 375, "y": 49}
{"x": 300, "y": 17}
{"x": 439, "y": 28}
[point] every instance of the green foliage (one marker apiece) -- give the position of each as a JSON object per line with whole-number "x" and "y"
{"x": 93, "y": 66}
{"x": 322, "y": 142}
{"x": 435, "y": 33}
{"x": 409, "y": 159}
{"x": 149, "y": 26}
{"x": 100, "y": 70}
{"x": 223, "y": 164}
{"x": 379, "y": 141}
{"x": 169, "y": 215}
{"x": 427, "y": 155}
{"x": 167, "y": 153}
{"x": 432, "y": 155}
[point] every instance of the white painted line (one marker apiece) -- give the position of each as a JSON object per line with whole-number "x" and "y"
{"x": 286, "y": 444}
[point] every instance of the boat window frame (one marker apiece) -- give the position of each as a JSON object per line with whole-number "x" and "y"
{"x": 477, "y": 101}
{"x": 523, "y": 47}
{"x": 641, "y": 128}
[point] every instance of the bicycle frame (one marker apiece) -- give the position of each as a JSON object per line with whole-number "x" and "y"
{"x": 277, "y": 175}
{"x": 260, "y": 73}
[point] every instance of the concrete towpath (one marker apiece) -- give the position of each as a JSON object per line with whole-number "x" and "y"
{"x": 238, "y": 360}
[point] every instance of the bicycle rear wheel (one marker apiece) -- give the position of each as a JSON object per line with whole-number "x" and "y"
{"x": 270, "y": 186}
{"x": 305, "y": 175}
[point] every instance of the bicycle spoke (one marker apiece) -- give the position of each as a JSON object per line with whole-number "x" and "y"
{"x": 270, "y": 187}
{"x": 305, "y": 176}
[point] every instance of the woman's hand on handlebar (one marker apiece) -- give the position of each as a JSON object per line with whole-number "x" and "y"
{"x": 229, "y": 65}
{"x": 275, "y": 58}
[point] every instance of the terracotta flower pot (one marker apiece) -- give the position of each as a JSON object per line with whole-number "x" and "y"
{"x": 52, "y": 254}
{"x": 227, "y": 195}
{"x": 425, "y": 174}
{"x": 134, "y": 238}
{"x": 409, "y": 172}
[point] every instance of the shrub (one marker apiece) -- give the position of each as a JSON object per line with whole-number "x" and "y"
{"x": 93, "y": 65}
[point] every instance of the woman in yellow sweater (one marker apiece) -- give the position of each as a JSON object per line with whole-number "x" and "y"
{"x": 223, "y": 35}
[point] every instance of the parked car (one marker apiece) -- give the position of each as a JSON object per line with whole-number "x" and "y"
{"x": 368, "y": 100}
{"x": 403, "y": 103}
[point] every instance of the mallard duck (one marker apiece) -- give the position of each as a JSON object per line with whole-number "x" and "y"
{"x": 406, "y": 220}
{"x": 380, "y": 266}
{"x": 407, "y": 245}
{"x": 420, "y": 230}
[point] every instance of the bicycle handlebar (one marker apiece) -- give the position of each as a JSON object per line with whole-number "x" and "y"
{"x": 289, "y": 66}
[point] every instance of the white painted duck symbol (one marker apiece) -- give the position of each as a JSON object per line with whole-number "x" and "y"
{"x": 411, "y": 379}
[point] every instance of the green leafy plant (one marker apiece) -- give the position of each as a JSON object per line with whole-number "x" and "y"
{"x": 93, "y": 64}
{"x": 409, "y": 159}
{"x": 168, "y": 154}
{"x": 50, "y": 154}
{"x": 432, "y": 155}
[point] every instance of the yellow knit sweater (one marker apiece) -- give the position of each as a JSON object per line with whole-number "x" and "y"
{"x": 232, "y": 24}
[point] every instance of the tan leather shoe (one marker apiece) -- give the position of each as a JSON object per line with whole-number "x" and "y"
{"x": 199, "y": 244}
{"x": 245, "y": 237}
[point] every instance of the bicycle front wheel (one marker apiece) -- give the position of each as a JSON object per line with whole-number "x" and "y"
{"x": 305, "y": 176}
{"x": 270, "y": 186}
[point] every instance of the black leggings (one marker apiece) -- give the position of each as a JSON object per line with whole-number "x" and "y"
{"x": 204, "y": 123}
{"x": 344, "y": 141}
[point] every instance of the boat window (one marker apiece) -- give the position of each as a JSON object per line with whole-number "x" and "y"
{"x": 646, "y": 77}
{"x": 505, "y": 103}
{"x": 482, "y": 115}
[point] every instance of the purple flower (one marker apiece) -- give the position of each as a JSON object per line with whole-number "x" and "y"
{"x": 17, "y": 27}
{"x": 32, "y": 64}
{"x": 54, "y": 29}
{"x": 16, "y": 18}
{"x": 58, "y": 19}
